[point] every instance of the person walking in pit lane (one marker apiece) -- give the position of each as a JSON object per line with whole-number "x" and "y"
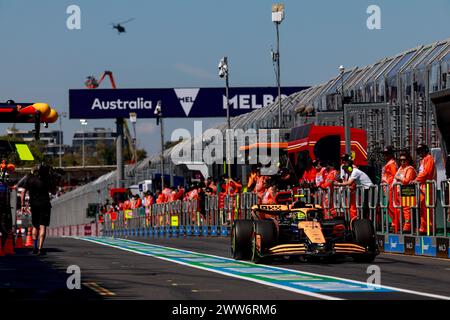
{"x": 39, "y": 185}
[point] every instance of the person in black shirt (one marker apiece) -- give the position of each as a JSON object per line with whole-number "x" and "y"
{"x": 39, "y": 185}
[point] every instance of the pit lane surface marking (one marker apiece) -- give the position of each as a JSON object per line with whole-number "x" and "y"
{"x": 306, "y": 283}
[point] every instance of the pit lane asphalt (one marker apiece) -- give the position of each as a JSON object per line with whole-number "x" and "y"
{"x": 131, "y": 276}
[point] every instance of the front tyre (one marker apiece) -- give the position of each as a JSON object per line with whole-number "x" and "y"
{"x": 263, "y": 239}
{"x": 364, "y": 235}
{"x": 241, "y": 241}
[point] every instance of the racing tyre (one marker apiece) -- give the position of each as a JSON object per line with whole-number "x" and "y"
{"x": 265, "y": 230}
{"x": 241, "y": 239}
{"x": 364, "y": 235}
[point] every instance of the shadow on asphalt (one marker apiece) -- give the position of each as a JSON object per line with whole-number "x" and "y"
{"x": 27, "y": 277}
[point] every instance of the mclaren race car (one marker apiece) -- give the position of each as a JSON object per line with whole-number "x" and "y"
{"x": 299, "y": 229}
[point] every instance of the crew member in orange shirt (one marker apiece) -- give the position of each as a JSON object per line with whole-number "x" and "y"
{"x": 260, "y": 187}
{"x": 309, "y": 175}
{"x": 160, "y": 197}
{"x": 427, "y": 171}
{"x": 331, "y": 177}
{"x": 269, "y": 194}
{"x": 252, "y": 178}
{"x": 320, "y": 173}
{"x": 387, "y": 176}
{"x": 405, "y": 174}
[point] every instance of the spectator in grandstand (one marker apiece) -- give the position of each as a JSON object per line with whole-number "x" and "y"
{"x": 387, "y": 176}
{"x": 427, "y": 172}
{"x": 39, "y": 185}
{"x": 356, "y": 177}
{"x": 405, "y": 175}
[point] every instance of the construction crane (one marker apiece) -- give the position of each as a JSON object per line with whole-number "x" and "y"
{"x": 92, "y": 83}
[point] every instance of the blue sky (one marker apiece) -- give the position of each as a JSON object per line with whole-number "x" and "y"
{"x": 175, "y": 43}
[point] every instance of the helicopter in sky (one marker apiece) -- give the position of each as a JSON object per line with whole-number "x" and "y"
{"x": 119, "y": 26}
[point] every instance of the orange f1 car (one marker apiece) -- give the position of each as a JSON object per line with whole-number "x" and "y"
{"x": 299, "y": 229}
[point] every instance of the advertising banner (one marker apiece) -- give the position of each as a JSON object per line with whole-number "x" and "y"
{"x": 175, "y": 102}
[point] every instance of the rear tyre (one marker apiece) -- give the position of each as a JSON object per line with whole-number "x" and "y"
{"x": 241, "y": 239}
{"x": 265, "y": 230}
{"x": 364, "y": 235}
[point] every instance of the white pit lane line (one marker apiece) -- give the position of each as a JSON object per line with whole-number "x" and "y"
{"x": 303, "y": 292}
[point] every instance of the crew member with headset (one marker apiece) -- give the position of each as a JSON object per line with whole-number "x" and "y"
{"x": 39, "y": 184}
{"x": 358, "y": 177}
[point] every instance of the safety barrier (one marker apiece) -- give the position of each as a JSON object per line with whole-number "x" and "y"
{"x": 396, "y": 211}
{"x": 212, "y": 217}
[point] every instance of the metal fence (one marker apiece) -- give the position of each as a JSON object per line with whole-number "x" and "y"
{"x": 182, "y": 218}
{"x": 384, "y": 205}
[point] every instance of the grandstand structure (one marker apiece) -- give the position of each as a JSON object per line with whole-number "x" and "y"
{"x": 389, "y": 98}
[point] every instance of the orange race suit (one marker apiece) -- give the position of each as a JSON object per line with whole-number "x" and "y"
{"x": 427, "y": 171}
{"x": 387, "y": 176}
{"x": 330, "y": 178}
{"x": 404, "y": 175}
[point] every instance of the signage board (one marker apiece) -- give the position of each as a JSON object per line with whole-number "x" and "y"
{"x": 175, "y": 102}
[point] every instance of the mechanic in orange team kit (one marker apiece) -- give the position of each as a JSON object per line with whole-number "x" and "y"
{"x": 309, "y": 175}
{"x": 320, "y": 173}
{"x": 387, "y": 176}
{"x": 427, "y": 171}
{"x": 331, "y": 177}
{"x": 405, "y": 175}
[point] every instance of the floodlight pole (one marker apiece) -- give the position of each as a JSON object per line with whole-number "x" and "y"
{"x": 346, "y": 118}
{"x": 119, "y": 153}
{"x": 228, "y": 120}
{"x": 162, "y": 152}
{"x": 280, "y": 121}
{"x": 63, "y": 114}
